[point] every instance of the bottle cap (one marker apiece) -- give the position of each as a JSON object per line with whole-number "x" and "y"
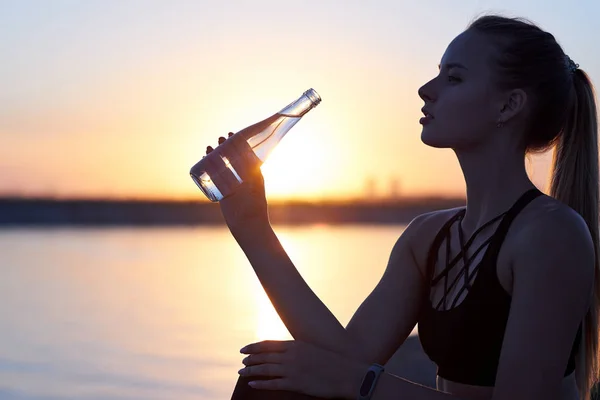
{"x": 313, "y": 96}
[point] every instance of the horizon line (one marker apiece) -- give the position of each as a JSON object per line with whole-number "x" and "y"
{"x": 202, "y": 199}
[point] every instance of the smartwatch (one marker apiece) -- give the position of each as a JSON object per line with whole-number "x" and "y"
{"x": 369, "y": 381}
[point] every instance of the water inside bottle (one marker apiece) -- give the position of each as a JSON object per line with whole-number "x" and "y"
{"x": 263, "y": 142}
{"x": 230, "y": 167}
{"x": 207, "y": 186}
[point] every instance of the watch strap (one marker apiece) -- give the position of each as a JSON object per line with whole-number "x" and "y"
{"x": 369, "y": 381}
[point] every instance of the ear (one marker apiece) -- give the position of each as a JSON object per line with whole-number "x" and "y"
{"x": 512, "y": 106}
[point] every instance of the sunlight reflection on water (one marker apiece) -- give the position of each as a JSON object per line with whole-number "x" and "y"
{"x": 157, "y": 313}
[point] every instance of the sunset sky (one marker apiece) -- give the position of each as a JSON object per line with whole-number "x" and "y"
{"x": 120, "y": 98}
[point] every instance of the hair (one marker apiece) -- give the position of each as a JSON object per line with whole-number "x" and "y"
{"x": 563, "y": 116}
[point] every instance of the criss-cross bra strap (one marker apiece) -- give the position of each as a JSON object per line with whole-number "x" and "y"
{"x": 464, "y": 272}
{"x": 494, "y": 242}
{"x": 437, "y": 241}
{"x": 462, "y": 252}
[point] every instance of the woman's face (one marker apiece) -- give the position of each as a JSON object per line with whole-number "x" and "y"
{"x": 463, "y": 103}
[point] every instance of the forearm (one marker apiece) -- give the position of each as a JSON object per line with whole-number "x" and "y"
{"x": 303, "y": 313}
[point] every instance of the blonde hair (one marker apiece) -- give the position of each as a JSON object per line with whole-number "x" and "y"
{"x": 574, "y": 181}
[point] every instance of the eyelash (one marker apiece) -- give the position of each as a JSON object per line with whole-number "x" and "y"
{"x": 453, "y": 79}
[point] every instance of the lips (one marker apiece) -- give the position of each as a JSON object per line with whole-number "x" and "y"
{"x": 427, "y": 118}
{"x": 426, "y": 112}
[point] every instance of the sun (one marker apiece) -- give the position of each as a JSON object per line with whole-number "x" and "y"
{"x": 300, "y": 166}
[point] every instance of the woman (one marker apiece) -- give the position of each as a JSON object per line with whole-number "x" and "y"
{"x": 505, "y": 290}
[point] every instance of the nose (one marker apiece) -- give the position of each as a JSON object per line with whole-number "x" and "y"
{"x": 426, "y": 92}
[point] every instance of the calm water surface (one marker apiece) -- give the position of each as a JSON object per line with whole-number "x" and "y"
{"x": 160, "y": 313}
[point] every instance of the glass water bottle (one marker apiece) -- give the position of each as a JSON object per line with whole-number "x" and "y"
{"x": 222, "y": 171}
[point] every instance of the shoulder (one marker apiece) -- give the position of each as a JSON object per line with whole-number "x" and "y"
{"x": 421, "y": 231}
{"x": 553, "y": 228}
{"x": 554, "y": 245}
{"x": 431, "y": 222}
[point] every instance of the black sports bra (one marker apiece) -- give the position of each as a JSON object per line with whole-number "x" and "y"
{"x": 465, "y": 340}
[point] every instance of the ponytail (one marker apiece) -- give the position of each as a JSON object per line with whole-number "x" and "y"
{"x": 574, "y": 182}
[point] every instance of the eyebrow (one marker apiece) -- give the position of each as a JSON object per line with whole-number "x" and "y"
{"x": 453, "y": 65}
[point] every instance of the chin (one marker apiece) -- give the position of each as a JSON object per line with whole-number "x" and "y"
{"x": 435, "y": 139}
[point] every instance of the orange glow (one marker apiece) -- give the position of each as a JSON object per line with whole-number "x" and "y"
{"x": 303, "y": 164}
{"x": 131, "y": 117}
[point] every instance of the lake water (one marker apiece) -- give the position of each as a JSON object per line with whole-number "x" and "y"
{"x": 157, "y": 313}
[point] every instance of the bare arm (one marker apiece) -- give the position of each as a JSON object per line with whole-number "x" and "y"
{"x": 380, "y": 325}
{"x": 552, "y": 287}
{"x": 390, "y": 312}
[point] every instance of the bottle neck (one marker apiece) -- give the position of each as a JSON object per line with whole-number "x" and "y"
{"x": 302, "y": 105}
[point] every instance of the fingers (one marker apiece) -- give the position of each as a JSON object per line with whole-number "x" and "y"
{"x": 272, "y": 384}
{"x": 267, "y": 346}
{"x": 221, "y": 141}
{"x": 263, "y": 358}
{"x": 262, "y": 370}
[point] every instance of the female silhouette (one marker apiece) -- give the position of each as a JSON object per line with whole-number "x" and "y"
{"x": 505, "y": 290}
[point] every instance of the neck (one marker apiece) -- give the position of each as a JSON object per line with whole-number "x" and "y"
{"x": 494, "y": 180}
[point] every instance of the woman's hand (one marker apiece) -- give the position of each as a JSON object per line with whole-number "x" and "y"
{"x": 247, "y": 206}
{"x": 301, "y": 367}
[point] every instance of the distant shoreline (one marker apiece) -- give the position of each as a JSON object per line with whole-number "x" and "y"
{"x": 104, "y": 212}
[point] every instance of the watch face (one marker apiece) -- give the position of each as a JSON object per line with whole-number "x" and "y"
{"x": 367, "y": 383}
